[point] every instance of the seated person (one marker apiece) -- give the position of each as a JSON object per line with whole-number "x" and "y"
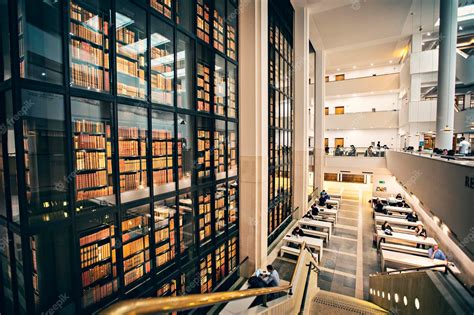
{"x": 324, "y": 194}
{"x": 436, "y": 253}
{"x": 314, "y": 210}
{"x": 399, "y": 196}
{"x": 386, "y": 226}
{"x": 297, "y": 231}
{"x": 339, "y": 151}
{"x": 352, "y": 151}
{"x": 379, "y": 207}
{"x": 322, "y": 201}
{"x": 412, "y": 217}
{"x": 272, "y": 279}
{"x": 308, "y": 215}
{"x": 420, "y": 231}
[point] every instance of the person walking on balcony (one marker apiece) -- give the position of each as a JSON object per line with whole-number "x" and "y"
{"x": 464, "y": 146}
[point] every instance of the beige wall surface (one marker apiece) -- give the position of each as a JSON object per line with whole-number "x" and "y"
{"x": 379, "y": 83}
{"x": 441, "y": 187}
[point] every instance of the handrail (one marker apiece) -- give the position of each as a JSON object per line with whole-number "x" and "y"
{"x": 231, "y": 274}
{"x": 194, "y": 301}
{"x": 446, "y": 271}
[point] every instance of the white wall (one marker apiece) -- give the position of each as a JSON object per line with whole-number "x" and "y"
{"x": 365, "y": 72}
{"x": 357, "y": 104}
{"x": 363, "y": 138}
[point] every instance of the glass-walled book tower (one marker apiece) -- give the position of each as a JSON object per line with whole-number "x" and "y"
{"x": 280, "y": 115}
{"x": 118, "y": 159}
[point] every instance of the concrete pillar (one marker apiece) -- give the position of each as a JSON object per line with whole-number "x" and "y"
{"x": 319, "y": 98}
{"x": 253, "y": 128}
{"x": 446, "y": 73}
{"x": 301, "y": 77}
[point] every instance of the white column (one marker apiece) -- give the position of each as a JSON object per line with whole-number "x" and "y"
{"x": 446, "y": 73}
{"x": 319, "y": 119}
{"x": 253, "y": 129}
{"x": 301, "y": 77}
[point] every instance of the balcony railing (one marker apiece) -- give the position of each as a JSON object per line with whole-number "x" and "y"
{"x": 356, "y": 151}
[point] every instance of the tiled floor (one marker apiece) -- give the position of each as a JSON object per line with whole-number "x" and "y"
{"x": 343, "y": 255}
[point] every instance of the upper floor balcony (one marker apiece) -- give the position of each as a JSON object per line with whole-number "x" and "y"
{"x": 375, "y": 84}
{"x": 363, "y": 120}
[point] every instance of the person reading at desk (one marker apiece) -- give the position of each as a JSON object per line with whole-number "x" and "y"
{"x": 308, "y": 215}
{"x": 272, "y": 278}
{"x": 420, "y": 231}
{"x": 412, "y": 217}
{"x": 399, "y": 196}
{"x": 436, "y": 253}
{"x": 379, "y": 207}
{"x": 322, "y": 201}
{"x": 314, "y": 210}
{"x": 387, "y": 229}
{"x": 297, "y": 231}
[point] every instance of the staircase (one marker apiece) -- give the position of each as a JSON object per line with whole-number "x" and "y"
{"x": 329, "y": 303}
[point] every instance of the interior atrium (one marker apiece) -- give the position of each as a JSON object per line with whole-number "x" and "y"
{"x": 236, "y": 157}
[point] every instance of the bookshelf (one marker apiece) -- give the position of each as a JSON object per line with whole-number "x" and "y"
{"x": 219, "y": 151}
{"x": 162, "y": 63}
{"x": 89, "y": 48}
{"x": 203, "y": 87}
{"x": 136, "y": 244}
{"x": 163, "y": 6}
{"x": 162, "y": 154}
{"x": 231, "y": 33}
{"x": 232, "y": 148}
{"x": 204, "y": 216}
{"x": 165, "y": 232}
{"x": 219, "y": 27}
{"x": 231, "y": 90}
{"x": 232, "y": 250}
{"x": 219, "y": 86}
{"x": 220, "y": 256}
{"x": 232, "y": 201}
{"x": 219, "y": 208}
{"x": 98, "y": 264}
{"x": 205, "y": 269}
{"x": 204, "y": 153}
{"x": 203, "y": 20}
{"x": 186, "y": 222}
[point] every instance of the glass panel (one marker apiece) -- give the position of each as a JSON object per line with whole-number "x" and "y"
{"x": 89, "y": 44}
{"x": 232, "y": 149}
{"x": 233, "y": 202}
{"x": 98, "y": 258}
{"x": 203, "y": 80}
{"x": 203, "y": 163}
{"x": 164, "y": 215}
{"x": 3, "y": 131}
{"x": 205, "y": 268}
{"x": 186, "y": 233}
{"x": 219, "y": 86}
{"x": 184, "y": 62}
{"x": 231, "y": 90}
{"x": 19, "y": 273}
{"x": 163, "y": 6}
{"x": 162, "y": 63}
{"x": 204, "y": 216}
{"x": 52, "y": 269}
{"x": 94, "y": 148}
{"x": 186, "y": 149}
{"x": 232, "y": 245}
{"x": 6, "y": 276}
{"x": 219, "y": 208}
{"x": 40, "y": 34}
{"x": 13, "y": 180}
{"x": 163, "y": 141}
{"x": 219, "y": 149}
{"x": 231, "y": 23}
{"x": 220, "y": 263}
{"x": 44, "y": 141}
{"x": 203, "y": 20}
{"x": 5, "y": 70}
{"x": 131, "y": 50}
{"x": 136, "y": 243}
{"x": 219, "y": 27}
{"x": 132, "y": 132}
{"x": 185, "y": 14}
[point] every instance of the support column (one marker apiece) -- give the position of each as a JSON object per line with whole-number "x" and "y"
{"x": 446, "y": 73}
{"x": 253, "y": 129}
{"x": 319, "y": 98}
{"x": 301, "y": 77}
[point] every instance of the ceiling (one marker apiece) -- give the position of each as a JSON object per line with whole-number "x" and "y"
{"x": 364, "y": 32}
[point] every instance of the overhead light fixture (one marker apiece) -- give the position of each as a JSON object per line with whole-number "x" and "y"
{"x": 371, "y": 64}
{"x": 428, "y": 34}
{"x": 354, "y": 67}
{"x": 338, "y": 69}
{"x": 460, "y": 28}
{"x": 390, "y": 61}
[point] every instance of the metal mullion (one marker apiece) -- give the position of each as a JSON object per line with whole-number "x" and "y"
{"x": 41, "y": 86}
{"x": 83, "y": 93}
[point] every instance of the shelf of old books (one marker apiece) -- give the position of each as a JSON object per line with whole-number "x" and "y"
{"x": 205, "y": 269}
{"x": 162, "y": 62}
{"x": 98, "y": 264}
{"x": 218, "y": 23}
{"x": 136, "y": 243}
{"x": 132, "y": 133}
{"x": 203, "y": 20}
{"x": 187, "y": 220}
{"x": 231, "y": 90}
{"x": 203, "y": 164}
{"x": 220, "y": 256}
{"x": 232, "y": 149}
{"x": 163, "y": 6}
{"x": 204, "y": 216}
{"x": 131, "y": 47}
{"x": 219, "y": 149}
{"x": 219, "y": 208}
{"x": 232, "y": 201}
{"x": 89, "y": 47}
{"x": 219, "y": 86}
{"x": 232, "y": 252}
{"x": 231, "y": 25}
{"x": 164, "y": 213}
{"x": 203, "y": 101}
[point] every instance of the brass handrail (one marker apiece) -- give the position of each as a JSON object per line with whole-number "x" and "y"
{"x": 194, "y": 301}
{"x": 182, "y": 303}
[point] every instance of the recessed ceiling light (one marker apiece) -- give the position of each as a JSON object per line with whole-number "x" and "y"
{"x": 338, "y": 69}
{"x": 428, "y": 34}
{"x": 354, "y": 67}
{"x": 371, "y": 64}
{"x": 372, "y": 92}
{"x": 390, "y": 61}
{"x": 460, "y": 28}
{"x": 422, "y": 44}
